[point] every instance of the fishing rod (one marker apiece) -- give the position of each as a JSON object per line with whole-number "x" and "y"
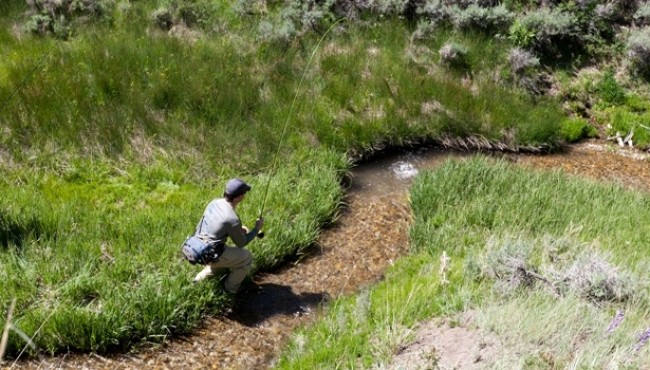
{"x": 286, "y": 122}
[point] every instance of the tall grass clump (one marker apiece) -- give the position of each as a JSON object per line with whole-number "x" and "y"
{"x": 561, "y": 263}
{"x": 540, "y": 210}
{"x": 95, "y": 266}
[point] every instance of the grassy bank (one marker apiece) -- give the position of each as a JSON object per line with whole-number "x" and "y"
{"x": 115, "y": 137}
{"x": 543, "y": 270}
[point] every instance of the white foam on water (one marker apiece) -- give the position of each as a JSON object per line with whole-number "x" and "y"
{"x": 403, "y": 170}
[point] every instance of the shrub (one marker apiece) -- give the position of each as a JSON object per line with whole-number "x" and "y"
{"x": 425, "y": 29}
{"x": 593, "y": 277}
{"x": 508, "y": 263}
{"x": 524, "y": 71}
{"x": 475, "y": 17}
{"x": 192, "y": 13}
{"x": 520, "y": 34}
{"x": 57, "y": 17}
{"x": 453, "y": 55}
{"x": 642, "y": 15}
{"x": 392, "y": 6}
{"x": 548, "y": 31}
{"x": 522, "y": 61}
{"x": 164, "y": 18}
{"x": 196, "y": 13}
{"x": 513, "y": 264}
{"x": 435, "y": 11}
{"x": 282, "y": 31}
{"x": 638, "y": 51}
{"x": 298, "y": 18}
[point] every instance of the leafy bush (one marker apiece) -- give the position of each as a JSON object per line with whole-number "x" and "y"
{"x": 296, "y": 19}
{"x": 392, "y": 6}
{"x": 520, "y": 34}
{"x": 58, "y": 17}
{"x": 548, "y": 31}
{"x": 191, "y": 13}
{"x": 434, "y": 11}
{"x": 638, "y": 51}
{"x": 475, "y": 17}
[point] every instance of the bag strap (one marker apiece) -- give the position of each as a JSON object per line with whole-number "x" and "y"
{"x": 197, "y": 232}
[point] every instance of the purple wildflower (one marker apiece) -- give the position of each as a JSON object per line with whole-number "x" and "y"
{"x": 643, "y": 339}
{"x": 618, "y": 319}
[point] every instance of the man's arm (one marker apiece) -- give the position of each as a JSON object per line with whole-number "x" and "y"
{"x": 237, "y": 235}
{"x": 241, "y": 236}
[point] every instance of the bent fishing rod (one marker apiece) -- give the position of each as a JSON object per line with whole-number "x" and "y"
{"x": 286, "y": 122}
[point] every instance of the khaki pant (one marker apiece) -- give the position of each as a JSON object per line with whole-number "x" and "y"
{"x": 238, "y": 260}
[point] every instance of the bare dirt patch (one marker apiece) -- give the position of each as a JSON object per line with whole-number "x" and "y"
{"x": 451, "y": 344}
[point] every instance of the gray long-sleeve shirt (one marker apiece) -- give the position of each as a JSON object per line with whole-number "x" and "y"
{"x": 220, "y": 221}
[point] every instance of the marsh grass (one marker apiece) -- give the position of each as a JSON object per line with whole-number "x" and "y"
{"x": 492, "y": 219}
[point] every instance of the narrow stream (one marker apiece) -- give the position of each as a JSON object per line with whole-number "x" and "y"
{"x": 370, "y": 234}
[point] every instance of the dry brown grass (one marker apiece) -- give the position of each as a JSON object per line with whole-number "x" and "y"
{"x": 5, "y": 332}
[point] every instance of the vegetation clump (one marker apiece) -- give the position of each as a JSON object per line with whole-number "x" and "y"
{"x": 59, "y": 17}
{"x": 638, "y": 51}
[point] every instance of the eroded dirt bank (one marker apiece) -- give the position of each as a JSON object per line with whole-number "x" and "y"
{"x": 370, "y": 233}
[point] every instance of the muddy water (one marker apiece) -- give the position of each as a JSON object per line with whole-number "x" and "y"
{"x": 353, "y": 253}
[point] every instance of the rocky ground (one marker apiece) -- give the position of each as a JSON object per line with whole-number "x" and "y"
{"x": 369, "y": 235}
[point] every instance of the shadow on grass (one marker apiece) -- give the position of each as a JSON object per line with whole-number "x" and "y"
{"x": 257, "y": 303}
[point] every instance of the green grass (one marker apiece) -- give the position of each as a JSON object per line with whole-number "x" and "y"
{"x": 102, "y": 256}
{"x": 114, "y": 141}
{"x": 484, "y": 215}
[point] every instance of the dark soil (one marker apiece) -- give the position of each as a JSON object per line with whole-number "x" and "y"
{"x": 354, "y": 252}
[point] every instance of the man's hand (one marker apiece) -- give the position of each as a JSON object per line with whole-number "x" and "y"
{"x": 259, "y": 223}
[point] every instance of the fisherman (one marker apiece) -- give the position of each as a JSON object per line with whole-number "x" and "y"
{"x": 219, "y": 222}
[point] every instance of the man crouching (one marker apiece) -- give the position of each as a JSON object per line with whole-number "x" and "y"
{"x": 219, "y": 222}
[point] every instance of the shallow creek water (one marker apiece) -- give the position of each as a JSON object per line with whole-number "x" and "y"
{"x": 353, "y": 252}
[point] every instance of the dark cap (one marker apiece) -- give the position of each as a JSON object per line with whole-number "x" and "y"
{"x": 236, "y": 187}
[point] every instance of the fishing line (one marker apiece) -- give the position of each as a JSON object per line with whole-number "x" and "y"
{"x": 39, "y": 66}
{"x": 286, "y": 122}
